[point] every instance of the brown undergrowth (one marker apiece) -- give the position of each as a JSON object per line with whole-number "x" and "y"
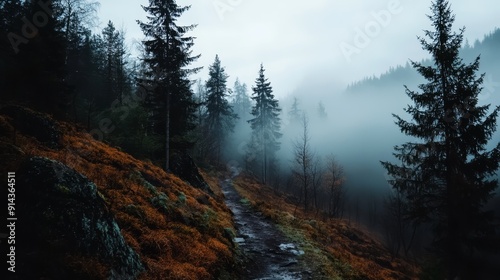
{"x": 333, "y": 248}
{"x": 179, "y": 232}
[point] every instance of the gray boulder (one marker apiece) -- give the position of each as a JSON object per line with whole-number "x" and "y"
{"x": 61, "y": 215}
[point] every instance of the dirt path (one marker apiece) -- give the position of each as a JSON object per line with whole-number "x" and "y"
{"x": 270, "y": 254}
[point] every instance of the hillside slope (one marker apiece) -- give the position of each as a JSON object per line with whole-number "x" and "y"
{"x": 333, "y": 248}
{"x": 90, "y": 211}
{"x": 176, "y": 230}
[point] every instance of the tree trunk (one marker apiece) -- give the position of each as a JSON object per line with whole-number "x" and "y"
{"x": 167, "y": 135}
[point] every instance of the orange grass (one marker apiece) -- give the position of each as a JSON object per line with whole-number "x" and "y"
{"x": 164, "y": 230}
{"x": 345, "y": 247}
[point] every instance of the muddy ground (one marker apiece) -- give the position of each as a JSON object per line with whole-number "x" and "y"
{"x": 267, "y": 252}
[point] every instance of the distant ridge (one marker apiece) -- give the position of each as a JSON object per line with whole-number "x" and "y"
{"x": 488, "y": 48}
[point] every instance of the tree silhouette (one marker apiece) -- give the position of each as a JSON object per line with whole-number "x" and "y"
{"x": 446, "y": 177}
{"x": 171, "y": 103}
{"x": 114, "y": 64}
{"x": 304, "y": 158}
{"x": 295, "y": 114}
{"x": 242, "y": 105}
{"x": 322, "y": 114}
{"x": 219, "y": 116}
{"x": 265, "y": 123}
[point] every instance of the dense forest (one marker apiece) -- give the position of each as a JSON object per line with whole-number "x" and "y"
{"x": 422, "y": 178}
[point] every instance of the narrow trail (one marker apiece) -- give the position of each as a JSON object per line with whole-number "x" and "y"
{"x": 271, "y": 255}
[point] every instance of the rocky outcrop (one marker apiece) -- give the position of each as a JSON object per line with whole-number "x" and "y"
{"x": 68, "y": 231}
{"x": 37, "y": 125}
{"x": 184, "y": 167}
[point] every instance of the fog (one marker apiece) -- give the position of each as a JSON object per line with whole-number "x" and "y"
{"x": 321, "y": 141}
{"x": 359, "y": 130}
{"x": 300, "y": 42}
{"x": 315, "y": 52}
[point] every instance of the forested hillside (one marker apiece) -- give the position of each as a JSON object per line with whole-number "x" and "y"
{"x": 391, "y": 81}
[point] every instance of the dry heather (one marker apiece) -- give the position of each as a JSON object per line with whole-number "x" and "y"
{"x": 333, "y": 248}
{"x": 178, "y": 231}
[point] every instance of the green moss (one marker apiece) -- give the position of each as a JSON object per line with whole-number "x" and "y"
{"x": 207, "y": 220}
{"x": 245, "y": 201}
{"x": 230, "y": 232}
{"x": 181, "y": 198}
{"x": 137, "y": 177}
{"x": 160, "y": 201}
{"x": 134, "y": 211}
{"x": 152, "y": 189}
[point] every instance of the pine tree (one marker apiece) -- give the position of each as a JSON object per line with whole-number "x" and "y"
{"x": 114, "y": 65}
{"x": 322, "y": 111}
{"x": 219, "y": 116}
{"x": 110, "y": 40}
{"x": 201, "y": 96}
{"x": 123, "y": 73}
{"x": 171, "y": 103}
{"x": 265, "y": 123}
{"x": 242, "y": 105}
{"x": 295, "y": 114}
{"x": 446, "y": 177}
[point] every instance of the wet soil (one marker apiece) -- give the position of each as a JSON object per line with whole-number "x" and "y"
{"x": 267, "y": 252}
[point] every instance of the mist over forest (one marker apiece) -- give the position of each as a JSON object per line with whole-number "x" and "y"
{"x": 359, "y": 128}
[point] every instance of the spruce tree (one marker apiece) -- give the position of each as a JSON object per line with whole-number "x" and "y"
{"x": 114, "y": 65}
{"x": 295, "y": 113}
{"x": 242, "y": 105}
{"x": 219, "y": 116}
{"x": 322, "y": 114}
{"x": 265, "y": 124}
{"x": 110, "y": 40}
{"x": 171, "y": 103}
{"x": 446, "y": 176}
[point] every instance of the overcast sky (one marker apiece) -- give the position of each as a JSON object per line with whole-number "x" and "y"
{"x": 306, "y": 42}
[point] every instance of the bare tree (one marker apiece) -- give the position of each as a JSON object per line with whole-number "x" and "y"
{"x": 316, "y": 181}
{"x": 304, "y": 162}
{"x": 334, "y": 183}
{"x": 76, "y": 16}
